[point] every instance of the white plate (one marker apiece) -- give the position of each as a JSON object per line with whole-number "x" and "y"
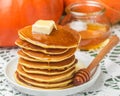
{"x": 10, "y": 68}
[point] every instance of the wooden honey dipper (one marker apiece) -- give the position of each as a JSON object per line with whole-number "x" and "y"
{"x": 84, "y": 75}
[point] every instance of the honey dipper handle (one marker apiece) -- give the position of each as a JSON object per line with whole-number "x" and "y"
{"x": 112, "y": 42}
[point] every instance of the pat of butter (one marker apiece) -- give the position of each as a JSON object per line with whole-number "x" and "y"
{"x": 43, "y": 27}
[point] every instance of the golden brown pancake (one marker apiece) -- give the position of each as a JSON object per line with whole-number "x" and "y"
{"x": 26, "y": 45}
{"x": 46, "y": 78}
{"x": 21, "y": 80}
{"x": 46, "y": 71}
{"x": 26, "y": 57}
{"x": 40, "y": 57}
{"x": 48, "y": 65}
{"x": 49, "y": 58}
{"x": 61, "y": 38}
{"x": 46, "y": 85}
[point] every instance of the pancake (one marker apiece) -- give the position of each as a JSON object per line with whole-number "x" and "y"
{"x": 26, "y": 45}
{"x": 49, "y": 58}
{"x": 37, "y": 85}
{"x": 48, "y": 65}
{"x": 46, "y": 71}
{"x": 42, "y": 57}
{"x": 46, "y": 85}
{"x": 46, "y": 78}
{"x": 26, "y": 57}
{"x": 61, "y": 38}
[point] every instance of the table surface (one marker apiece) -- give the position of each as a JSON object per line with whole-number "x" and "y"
{"x": 108, "y": 83}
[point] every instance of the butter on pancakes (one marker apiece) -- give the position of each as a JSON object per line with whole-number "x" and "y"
{"x": 60, "y": 38}
{"x": 46, "y": 61}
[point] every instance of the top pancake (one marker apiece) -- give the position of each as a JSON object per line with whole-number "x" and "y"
{"x": 60, "y": 38}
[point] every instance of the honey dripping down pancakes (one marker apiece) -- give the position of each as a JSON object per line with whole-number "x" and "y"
{"x": 46, "y": 61}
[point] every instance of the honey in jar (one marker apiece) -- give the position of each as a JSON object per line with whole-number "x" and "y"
{"x": 87, "y": 18}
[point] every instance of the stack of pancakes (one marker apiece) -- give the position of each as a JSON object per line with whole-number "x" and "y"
{"x": 46, "y": 61}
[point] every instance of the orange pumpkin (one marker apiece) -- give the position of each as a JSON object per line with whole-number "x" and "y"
{"x": 15, "y": 14}
{"x": 112, "y": 8}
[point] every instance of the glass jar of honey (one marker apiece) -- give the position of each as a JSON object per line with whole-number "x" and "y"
{"x": 87, "y": 18}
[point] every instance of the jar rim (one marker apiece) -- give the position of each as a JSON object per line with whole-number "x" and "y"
{"x": 88, "y": 3}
